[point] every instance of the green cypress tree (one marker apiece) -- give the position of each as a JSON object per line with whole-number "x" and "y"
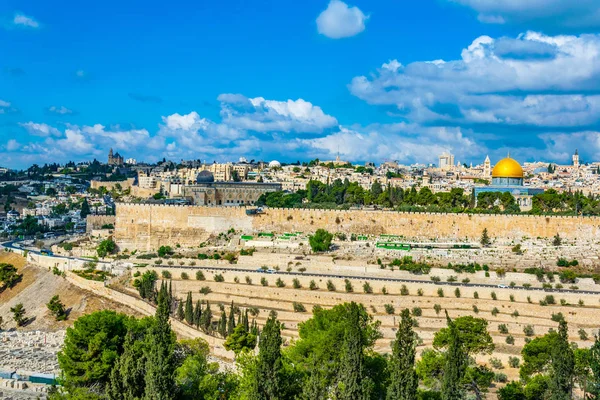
{"x": 246, "y": 323}
{"x": 351, "y": 384}
{"x": 161, "y": 363}
{"x": 231, "y": 321}
{"x": 180, "y": 312}
{"x": 223, "y": 324}
{"x": 269, "y": 366}
{"x": 197, "y": 313}
{"x": 189, "y": 309}
{"x": 85, "y": 209}
{"x": 563, "y": 366}
{"x": 594, "y": 357}
{"x": 455, "y": 365}
{"x": 404, "y": 380}
{"x": 206, "y": 319}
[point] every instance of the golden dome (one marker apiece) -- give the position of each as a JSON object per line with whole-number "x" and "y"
{"x": 507, "y": 168}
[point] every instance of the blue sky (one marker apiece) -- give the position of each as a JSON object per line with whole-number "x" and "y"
{"x": 376, "y": 81}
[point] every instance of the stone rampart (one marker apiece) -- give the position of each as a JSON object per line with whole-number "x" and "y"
{"x": 145, "y": 227}
{"x": 94, "y": 222}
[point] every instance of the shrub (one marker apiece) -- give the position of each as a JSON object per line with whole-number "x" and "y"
{"x": 466, "y": 280}
{"x": 185, "y": 276}
{"x": 550, "y": 299}
{"x": 475, "y": 309}
{"x": 475, "y": 295}
{"x": 510, "y": 339}
{"x": 320, "y": 241}
{"x": 437, "y": 308}
{"x": 501, "y": 272}
{"x": 529, "y": 299}
{"x": 420, "y": 292}
{"x": 451, "y": 278}
{"x": 515, "y": 314}
{"x": 219, "y": 278}
{"x": 404, "y": 290}
{"x": 457, "y": 292}
{"x": 330, "y": 286}
{"x": 165, "y": 274}
{"x": 205, "y": 290}
{"x": 135, "y": 274}
{"x": 512, "y": 284}
{"x": 512, "y": 298}
{"x": 349, "y": 288}
{"x": 367, "y": 288}
{"x": 528, "y": 330}
{"x": 435, "y": 279}
{"x": 583, "y": 334}
{"x": 299, "y": 307}
{"x": 495, "y": 311}
{"x": 264, "y": 282}
{"x": 202, "y": 256}
{"x": 496, "y": 363}
{"x": 440, "y": 292}
{"x": 389, "y": 309}
{"x": 296, "y": 283}
{"x": 502, "y": 328}
{"x": 200, "y": 276}
{"x": 279, "y": 283}
{"x": 248, "y": 280}
{"x": 313, "y": 285}
{"x": 170, "y": 263}
{"x": 384, "y": 290}
{"x": 417, "y": 312}
{"x": 500, "y": 377}
{"x": 580, "y": 303}
{"x": 527, "y": 285}
{"x": 558, "y": 317}
{"x": 514, "y": 362}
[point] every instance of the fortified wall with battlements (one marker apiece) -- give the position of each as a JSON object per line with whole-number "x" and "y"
{"x": 146, "y": 227}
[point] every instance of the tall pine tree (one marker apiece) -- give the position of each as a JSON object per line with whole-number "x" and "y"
{"x": 269, "y": 366}
{"x": 223, "y": 324}
{"x": 161, "y": 363}
{"x": 594, "y": 357}
{"x": 351, "y": 383}
{"x": 456, "y": 360}
{"x": 563, "y": 366}
{"x": 206, "y": 319}
{"x": 231, "y": 321}
{"x": 189, "y": 309}
{"x": 404, "y": 380}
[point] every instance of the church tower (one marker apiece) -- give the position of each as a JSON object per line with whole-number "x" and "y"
{"x": 487, "y": 167}
{"x": 576, "y": 159}
{"x": 110, "y": 157}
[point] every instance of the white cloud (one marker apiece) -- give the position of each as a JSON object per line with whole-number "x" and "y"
{"x": 12, "y": 145}
{"x": 339, "y": 20}
{"x": 7, "y": 108}
{"x": 401, "y": 141}
{"x": 25, "y": 21}
{"x": 562, "y": 13}
{"x": 261, "y": 115}
{"x": 44, "y": 130}
{"x": 532, "y": 79}
{"x": 185, "y": 122}
{"x": 62, "y": 110}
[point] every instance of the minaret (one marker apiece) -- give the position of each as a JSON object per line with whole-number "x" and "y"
{"x": 576, "y": 159}
{"x": 487, "y": 166}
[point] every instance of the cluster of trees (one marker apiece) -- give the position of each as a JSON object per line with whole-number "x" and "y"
{"x": 107, "y": 355}
{"x": 552, "y": 367}
{"x": 106, "y": 247}
{"x": 344, "y": 194}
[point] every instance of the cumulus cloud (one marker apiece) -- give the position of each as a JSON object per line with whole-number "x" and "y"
{"x": 401, "y": 141}
{"x": 580, "y": 14}
{"x": 261, "y": 115}
{"x": 533, "y": 79}
{"x": 23, "y": 20}
{"x": 7, "y": 108}
{"x": 339, "y": 20}
{"x": 62, "y": 110}
{"x": 12, "y": 145}
{"x": 37, "y": 129}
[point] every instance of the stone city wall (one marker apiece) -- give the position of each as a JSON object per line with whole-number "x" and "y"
{"x": 110, "y": 185}
{"x": 146, "y": 227}
{"x": 94, "y": 222}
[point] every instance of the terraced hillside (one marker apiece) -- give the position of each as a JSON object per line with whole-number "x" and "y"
{"x": 517, "y": 309}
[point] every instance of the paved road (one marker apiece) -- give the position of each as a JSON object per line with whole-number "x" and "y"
{"x": 382, "y": 279}
{"x": 11, "y": 245}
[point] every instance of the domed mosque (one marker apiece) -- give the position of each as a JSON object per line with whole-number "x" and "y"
{"x": 507, "y": 176}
